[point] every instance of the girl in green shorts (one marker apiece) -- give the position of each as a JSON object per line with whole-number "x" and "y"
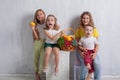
{"x": 52, "y": 33}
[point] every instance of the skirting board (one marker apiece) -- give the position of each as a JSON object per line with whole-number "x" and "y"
{"x": 32, "y": 75}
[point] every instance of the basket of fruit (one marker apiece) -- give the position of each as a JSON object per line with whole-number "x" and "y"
{"x": 67, "y": 42}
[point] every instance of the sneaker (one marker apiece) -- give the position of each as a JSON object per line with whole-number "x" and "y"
{"x": 56, "y": 74}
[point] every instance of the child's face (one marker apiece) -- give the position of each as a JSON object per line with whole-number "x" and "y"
{"x": 50, "y": 22}
{"x": 40, "y": 16}
{"x": 85, "y": 19}
{"x": 88, "y": 31}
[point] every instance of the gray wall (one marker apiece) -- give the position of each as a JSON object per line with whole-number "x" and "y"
{"x": 16, "y": 44}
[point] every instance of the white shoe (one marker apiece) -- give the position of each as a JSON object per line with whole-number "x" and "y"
{"x": 45, "y": 70}
{"x": 56, "y": 74}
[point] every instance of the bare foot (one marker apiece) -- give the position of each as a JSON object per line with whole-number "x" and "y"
{"x": 56, "y": 71}
{"x": 88, "y": 66}
{"x": 89, "y": 76}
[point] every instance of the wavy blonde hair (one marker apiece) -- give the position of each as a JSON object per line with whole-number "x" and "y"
{"x": 56, "y": 27}
{"x": 35, "y": 17}
{"x": 91, "y": 19}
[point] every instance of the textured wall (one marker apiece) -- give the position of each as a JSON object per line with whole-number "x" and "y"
{"x": 16, "y": 45}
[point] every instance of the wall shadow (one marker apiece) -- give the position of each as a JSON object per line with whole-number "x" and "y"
{"x": 26, "y": 67}
{"x": 74, "y": 24}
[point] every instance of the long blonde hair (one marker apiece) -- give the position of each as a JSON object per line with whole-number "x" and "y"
{"x": 35, "y": 17}
{"x": 91, "y": 19}
{"x": 37, "y": 21}
{"x": 56, "y": 27}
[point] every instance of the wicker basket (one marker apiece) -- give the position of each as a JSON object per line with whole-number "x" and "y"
{"x": 67, "y": 43}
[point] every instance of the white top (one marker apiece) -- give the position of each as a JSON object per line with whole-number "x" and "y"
{"x": 52, "y": 32}
{"x": 41, "y": 30}
{"x": 88, "y": 42}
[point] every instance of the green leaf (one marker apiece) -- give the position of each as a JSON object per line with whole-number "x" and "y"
{"x": 60, "y": 41}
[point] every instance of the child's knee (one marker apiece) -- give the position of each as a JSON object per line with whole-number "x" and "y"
{"x": 47, "y": 54}
{"x": 56, "y": 53}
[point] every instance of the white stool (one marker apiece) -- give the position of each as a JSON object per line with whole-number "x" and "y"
{"x": 63, "y": 67}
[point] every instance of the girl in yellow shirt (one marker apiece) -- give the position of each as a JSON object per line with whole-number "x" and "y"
{"x": 86, "y": 19}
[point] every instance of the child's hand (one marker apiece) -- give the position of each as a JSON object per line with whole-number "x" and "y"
{"x": 33, "y": 28}
{"x": 84, "y": 50}
{"x": 82, "y": 54}
{"x": 93, "y": 56}
{"x": 62, "y": 32}
{"x": 32, "y": 25}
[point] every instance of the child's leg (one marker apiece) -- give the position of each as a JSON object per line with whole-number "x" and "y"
{"x": 56, "y": 53}
{"x": 92, "y": 67}
{"x": 48, "y": 51}
{"x": 88, "y": 66}
{"x": 87, "y": 60}
{"x": 42, "y": 55}
{"x": 91, "y": 64}
{"x": 89, "y": 76}
{"x": 36, "y": 58}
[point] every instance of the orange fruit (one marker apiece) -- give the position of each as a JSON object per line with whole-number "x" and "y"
{"x": 69, "y": 38}
{"x": 32, "y": 24}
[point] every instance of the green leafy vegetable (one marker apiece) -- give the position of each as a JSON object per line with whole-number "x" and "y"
{"x": 60, "y": 41}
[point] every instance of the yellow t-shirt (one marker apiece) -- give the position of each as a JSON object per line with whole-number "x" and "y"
{"x": 79, "y": 32}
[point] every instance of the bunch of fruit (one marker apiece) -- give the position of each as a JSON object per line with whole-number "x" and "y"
{"x": 67, "y": 43}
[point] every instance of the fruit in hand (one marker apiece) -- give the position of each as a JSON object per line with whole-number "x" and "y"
{"x": 32, "y": 24}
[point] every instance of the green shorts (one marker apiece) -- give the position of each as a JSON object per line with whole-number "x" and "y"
{"x": 51, "y": 45}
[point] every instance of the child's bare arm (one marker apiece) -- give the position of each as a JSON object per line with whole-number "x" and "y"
{"x": 53, "y": 37}
{"x": 96, "y": 48}
{"x": 34, "y": 32}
